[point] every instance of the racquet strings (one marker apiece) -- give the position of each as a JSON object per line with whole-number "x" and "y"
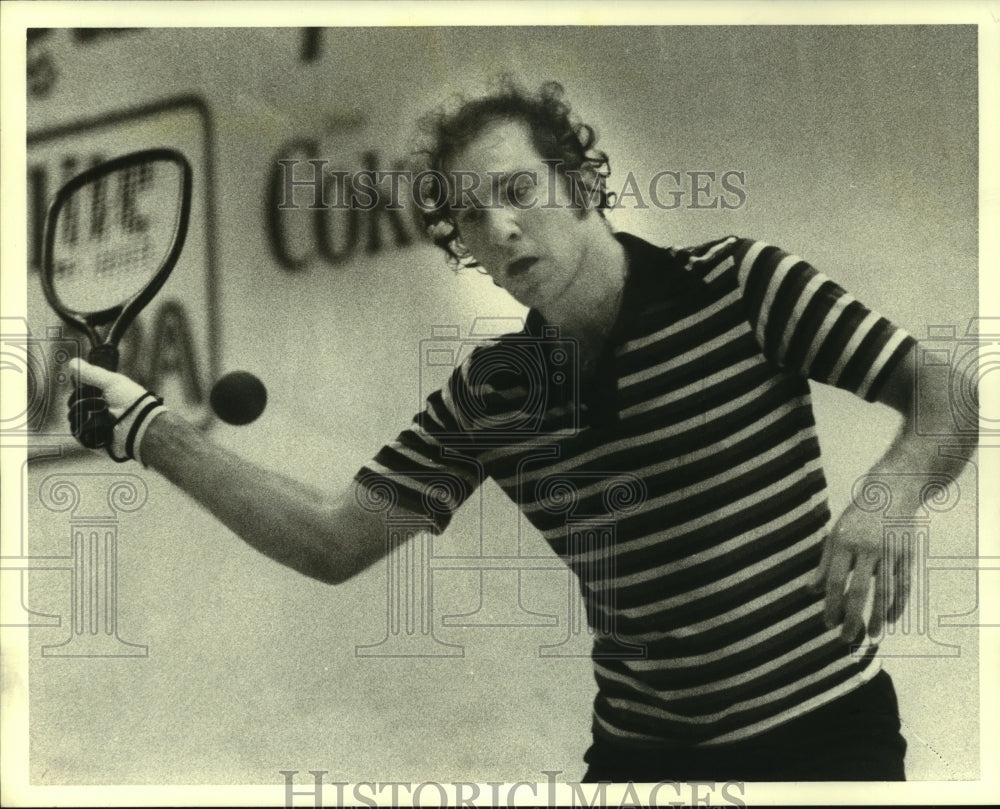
{"x": 112, "y": 239}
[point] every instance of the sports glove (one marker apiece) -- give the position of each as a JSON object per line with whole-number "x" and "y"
{"x": 109, "y": 410}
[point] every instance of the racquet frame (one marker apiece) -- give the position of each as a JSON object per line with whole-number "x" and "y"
{"x": 104, "y": 350}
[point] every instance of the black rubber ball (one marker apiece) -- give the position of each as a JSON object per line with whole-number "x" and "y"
{"x": 238, "y": 397}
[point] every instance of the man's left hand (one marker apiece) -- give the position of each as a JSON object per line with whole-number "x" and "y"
{"x": 855, "y": 562}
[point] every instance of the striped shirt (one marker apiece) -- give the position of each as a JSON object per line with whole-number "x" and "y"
{"x": 681, "y": 481}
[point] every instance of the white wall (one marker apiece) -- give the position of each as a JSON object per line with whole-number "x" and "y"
{"x": 858, "y": 146}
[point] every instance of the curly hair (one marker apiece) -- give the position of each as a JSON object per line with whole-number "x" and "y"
{"x": 555, "y": 133}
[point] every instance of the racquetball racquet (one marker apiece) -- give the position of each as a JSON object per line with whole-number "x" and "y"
{"x": 112, "y": 237}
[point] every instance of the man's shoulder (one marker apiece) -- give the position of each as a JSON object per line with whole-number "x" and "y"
{"x": 724, "y": 260}
{"x": 671, "y": 269}
{"x": 713, "y": 251}
{"x": 686, "y": 257}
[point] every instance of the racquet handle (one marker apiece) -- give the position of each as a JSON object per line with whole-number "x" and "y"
{"x": 104, "y": 356}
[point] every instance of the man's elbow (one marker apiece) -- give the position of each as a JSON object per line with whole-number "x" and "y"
{"x": 325, "y": 574}
{"x": 322, "y": 558}
{"x": 946, "y": 408}
{"x": 330, "y": 570}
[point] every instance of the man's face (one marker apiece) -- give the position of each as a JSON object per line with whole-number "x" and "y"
{"x": 518, "y": 222}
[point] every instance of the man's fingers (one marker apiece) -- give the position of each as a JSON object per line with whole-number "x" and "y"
{"x": 883, "y": 586}
{"x": 118, "y": 390}
{"x": 87, "y": 374}
{"x": 840, "y": 566}
{"x": 857, "y": 597}
{"x": 901, "y": 590}
{"x": 818, "y": 577}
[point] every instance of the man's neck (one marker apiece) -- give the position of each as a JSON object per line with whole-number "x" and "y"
{"x": 588, "y": 308}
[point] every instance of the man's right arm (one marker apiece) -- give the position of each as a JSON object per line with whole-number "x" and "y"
{"x": 326, "y": 537}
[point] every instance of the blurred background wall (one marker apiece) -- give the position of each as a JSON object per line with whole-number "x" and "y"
{"x": 854, "y": 147}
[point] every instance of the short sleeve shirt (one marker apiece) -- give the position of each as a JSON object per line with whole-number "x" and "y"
{"x": 682, "y": 481}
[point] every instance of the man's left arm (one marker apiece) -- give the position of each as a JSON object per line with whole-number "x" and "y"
{"x": 855, "y": 558}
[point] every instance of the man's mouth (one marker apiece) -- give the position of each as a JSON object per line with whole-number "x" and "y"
{"x": 520, "y": 266}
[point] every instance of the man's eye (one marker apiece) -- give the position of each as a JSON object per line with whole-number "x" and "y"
{"x": 521, "y": 191}
{"x": 470, "y": 215}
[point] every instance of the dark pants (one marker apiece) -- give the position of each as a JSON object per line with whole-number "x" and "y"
{"x": 853, "y": 738}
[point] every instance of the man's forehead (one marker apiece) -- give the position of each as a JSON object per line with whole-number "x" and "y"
{"x": 500, "y": 154}
{"x": 503, "y": 146}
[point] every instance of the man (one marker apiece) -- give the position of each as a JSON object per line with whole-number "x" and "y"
{"x": 669, "y": 388}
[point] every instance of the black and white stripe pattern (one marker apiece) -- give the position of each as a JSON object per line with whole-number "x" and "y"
{"x": 701, "y": 564}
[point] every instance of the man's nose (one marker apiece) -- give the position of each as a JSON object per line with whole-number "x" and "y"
{"x": 504, "y": 225}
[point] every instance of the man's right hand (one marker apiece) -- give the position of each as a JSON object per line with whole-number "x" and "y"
{"x": 129, "y": 406}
